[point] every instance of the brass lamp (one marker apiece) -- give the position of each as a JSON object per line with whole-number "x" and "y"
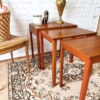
{"x": 60, "y": 6}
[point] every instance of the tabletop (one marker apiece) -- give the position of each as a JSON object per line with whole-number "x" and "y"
{"x": 87, "y": 46}
{"x": 52, "y": 25}
{"x": 68, "y": 32}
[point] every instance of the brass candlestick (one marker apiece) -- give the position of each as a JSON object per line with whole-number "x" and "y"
{"x": 60, "y": 6}
{"x": 0, "y": 3}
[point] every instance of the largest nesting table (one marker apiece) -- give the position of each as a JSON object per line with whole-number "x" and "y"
{"x": 88, "y": 50}
{"x": 52, "y": 36}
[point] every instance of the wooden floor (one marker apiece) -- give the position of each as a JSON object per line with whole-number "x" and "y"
{"x": 4, "y": 79}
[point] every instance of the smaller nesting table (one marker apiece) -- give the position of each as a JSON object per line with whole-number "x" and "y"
{"x": 88, "y": 50}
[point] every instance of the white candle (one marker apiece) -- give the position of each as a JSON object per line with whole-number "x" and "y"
{"x": 37, "y": 19}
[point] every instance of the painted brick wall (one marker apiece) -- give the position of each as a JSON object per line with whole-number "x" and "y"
{"x": 84, "y": 13}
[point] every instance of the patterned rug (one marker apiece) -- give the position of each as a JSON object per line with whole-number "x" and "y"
{"x": 37, "y": 84}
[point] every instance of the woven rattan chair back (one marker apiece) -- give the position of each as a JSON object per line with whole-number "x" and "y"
{"x": 4, "y": 26}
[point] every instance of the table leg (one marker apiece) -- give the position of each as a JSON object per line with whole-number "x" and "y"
{"x": 32, "y": 50}
{"x": 54, "y": 53}
{"x": 60, "y": 47}
{"x": 42, "y": 52}
{"x": 85, "y": 81}
{"x": 71, "y": 58}
{"x": 38, "y": 47}
{"x": 61, "y": 66}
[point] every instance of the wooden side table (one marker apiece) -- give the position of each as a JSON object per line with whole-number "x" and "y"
{"x": 88, "y": 50}
{"x": 35, "y": 29}
{"x": 52, "y": 36}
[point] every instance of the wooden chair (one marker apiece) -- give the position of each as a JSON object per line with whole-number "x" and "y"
{"x": 8, "y": 42}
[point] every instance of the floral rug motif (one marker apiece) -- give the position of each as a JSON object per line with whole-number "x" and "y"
{"x": 37, "y": 84}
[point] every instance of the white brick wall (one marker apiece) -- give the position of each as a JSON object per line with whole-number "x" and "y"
{"x": 84, "y": 13}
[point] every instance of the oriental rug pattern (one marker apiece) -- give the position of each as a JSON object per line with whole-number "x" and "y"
{"x": 37, "y": 84}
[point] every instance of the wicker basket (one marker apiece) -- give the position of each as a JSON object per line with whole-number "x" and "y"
{"x": 4, "y": 26}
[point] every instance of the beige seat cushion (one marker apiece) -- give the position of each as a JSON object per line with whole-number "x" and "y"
{"x": 13, "y": 41}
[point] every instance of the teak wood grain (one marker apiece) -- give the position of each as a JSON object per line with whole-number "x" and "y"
{"x": 35, "y": 29}
{"x": 63, "y": 33}
{"x": 52, "y": 36}
{"x": 88, "y": 50}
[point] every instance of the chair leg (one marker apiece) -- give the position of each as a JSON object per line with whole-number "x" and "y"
{"x": 12, "y": 56}
{"x": 27, "y": 58}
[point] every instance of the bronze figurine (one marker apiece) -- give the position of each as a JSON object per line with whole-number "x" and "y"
{"x": 45, "y": 17}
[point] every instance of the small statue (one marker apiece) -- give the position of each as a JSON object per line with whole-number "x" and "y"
{"x": 45, "y": 17}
